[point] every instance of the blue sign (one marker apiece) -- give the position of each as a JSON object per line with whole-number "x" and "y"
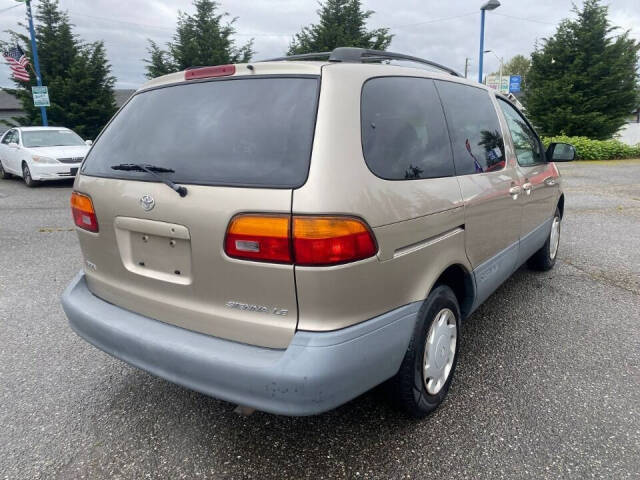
{"x": 514, "y": 83}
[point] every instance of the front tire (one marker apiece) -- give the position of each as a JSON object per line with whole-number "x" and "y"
{"x": 427, "y": 369}
{"x": 3, "y": 173}
{"x": 26, "y": 176}
{"x": 545, "y": 258}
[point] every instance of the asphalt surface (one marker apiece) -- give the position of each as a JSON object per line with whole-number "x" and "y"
{"x": 547, "y": 386}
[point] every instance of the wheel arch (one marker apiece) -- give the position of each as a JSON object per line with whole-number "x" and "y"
{"x": 460, "y": 280}
{"x": 561, "y": 205}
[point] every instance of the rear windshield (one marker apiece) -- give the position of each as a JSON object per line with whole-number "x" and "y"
{"x": 239, "y": 132}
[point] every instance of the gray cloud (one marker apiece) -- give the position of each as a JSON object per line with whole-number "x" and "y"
{"x": 446, "y": 32}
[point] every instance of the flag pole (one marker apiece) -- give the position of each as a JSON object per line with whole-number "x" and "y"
{"x": 36, "y": 64}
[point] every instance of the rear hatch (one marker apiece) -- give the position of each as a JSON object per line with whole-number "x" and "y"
{"x": 239, "y": 144}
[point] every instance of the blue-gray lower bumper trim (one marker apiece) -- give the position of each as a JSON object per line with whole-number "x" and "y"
{"x": 317, "y": 372}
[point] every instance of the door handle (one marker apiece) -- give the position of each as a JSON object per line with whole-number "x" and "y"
{"x": 514, "y": 192}
{"x": 527, "y": 188}
{"x": 550, "y": 181}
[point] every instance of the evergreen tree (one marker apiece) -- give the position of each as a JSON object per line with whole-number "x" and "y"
{"x": 159, "y": 63}
{"x": 342, "y": 24}
{"x": 200, "y": 39}
{"x": 78, "y": 75}
{"x": 583, "y": 80}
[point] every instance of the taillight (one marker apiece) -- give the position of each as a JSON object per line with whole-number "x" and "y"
{"x": 84, "y": 215}
{"x": 207, "y": 72}
{"x": 331, "y": 240}
{"x": 259, "y": 237}
{"x": 311, "y": 240}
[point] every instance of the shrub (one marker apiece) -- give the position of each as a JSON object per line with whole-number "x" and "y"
{"x": 588, "y": 149}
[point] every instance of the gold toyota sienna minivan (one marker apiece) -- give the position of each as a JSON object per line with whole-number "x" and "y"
{"x": 288, "y": 234}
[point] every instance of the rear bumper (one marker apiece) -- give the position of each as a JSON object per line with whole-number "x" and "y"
{"x": 318, "y": 371}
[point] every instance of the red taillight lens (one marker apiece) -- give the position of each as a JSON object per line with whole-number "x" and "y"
{"x": 310, "y": 241}
{"x": 207, "y": 72}
{"x": 84, "y": 215}
{"x": 259, "y": 237}
{"x": 331, "y": 240}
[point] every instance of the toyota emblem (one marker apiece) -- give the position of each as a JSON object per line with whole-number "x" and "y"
{"x": 147, "y": 202}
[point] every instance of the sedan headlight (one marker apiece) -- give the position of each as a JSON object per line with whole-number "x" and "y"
{"x": 41, "y": 159}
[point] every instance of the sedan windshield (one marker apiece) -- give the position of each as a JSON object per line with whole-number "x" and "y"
{"x": 50, "y": 138}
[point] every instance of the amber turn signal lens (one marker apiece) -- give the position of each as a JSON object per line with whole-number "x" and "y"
{"x": 259, "y": 237}
{"x": 83, "y": 213}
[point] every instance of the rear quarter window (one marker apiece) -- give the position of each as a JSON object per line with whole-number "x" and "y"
{"x": 404, "y": 134}
{"x": 474, "y": 128}
{"x": 236, "y": 132}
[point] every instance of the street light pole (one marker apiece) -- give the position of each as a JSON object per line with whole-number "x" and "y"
{"x": 501, "y": 60}
{"x": 490, "y": 5}
{"x": 481, "y": 45}
{"x": 36, "y": 63}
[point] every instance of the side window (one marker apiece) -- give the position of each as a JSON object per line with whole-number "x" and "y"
{"x": 525, "y": 141}
{"x": 404, "y": 134}
{"x": 475, "y": 132}
{"x": 7, "y": 139}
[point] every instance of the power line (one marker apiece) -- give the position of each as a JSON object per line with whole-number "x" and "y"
{"x": 288, "y": 34}
{"x": 547, "y": 23}
{"x": 435, "y": 20}
{"x": 124, "y": 22}
{"x": 426, "y": 22}
{"x": 522, "y": 18}
{"x": 169, "y": 29}
{"x": 9, "y": 8}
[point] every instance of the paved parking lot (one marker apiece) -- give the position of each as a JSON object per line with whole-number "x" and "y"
{"x": 548, "y": 383}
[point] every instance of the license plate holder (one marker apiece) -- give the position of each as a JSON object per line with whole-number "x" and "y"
{"x": 155, "y": 249}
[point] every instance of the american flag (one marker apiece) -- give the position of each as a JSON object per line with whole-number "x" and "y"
{"x": 477, "y": 165}
{"x": 18, "y": 62}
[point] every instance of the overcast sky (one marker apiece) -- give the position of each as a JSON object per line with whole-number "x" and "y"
{"x": 444, "y": 31}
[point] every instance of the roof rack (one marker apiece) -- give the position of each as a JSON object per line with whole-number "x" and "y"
{"x": 361, "y": 55}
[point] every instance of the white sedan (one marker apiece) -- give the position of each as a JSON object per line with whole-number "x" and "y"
{"x": 41, "y": 153}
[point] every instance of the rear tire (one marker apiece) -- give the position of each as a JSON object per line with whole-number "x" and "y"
{"x": 26, "y": 176}
{"x": 545, "y": 258}
{"x": 3, "y": 174}
{"x": 427, "y": 369}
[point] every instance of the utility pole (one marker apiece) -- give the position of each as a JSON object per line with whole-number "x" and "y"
{"x": 36, "y": 63}
{"x": 466, "y": 66}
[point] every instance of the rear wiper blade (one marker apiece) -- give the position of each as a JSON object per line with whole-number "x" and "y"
{"x": 153, "y": 169}
{"x": 141, "y": 167}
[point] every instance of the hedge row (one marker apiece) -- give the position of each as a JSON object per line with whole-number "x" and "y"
{"x": 588, "y": 149}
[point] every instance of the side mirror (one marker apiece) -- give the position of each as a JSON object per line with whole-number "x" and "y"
{"x": 13, "y": 144}
{"x": 561, "y": 152}
{"x": 89, "y": 142}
